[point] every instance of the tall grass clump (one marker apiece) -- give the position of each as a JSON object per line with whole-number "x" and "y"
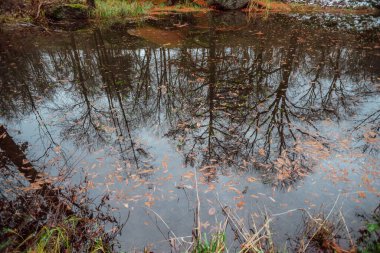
{"x": 62, "y": 237}
{"x": 120, "y": 8}
{"x": 217, "y": 244}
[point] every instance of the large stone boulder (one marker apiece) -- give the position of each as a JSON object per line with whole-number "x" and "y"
{"x": 67, "y": 12}
{"x": 228, "y": 4}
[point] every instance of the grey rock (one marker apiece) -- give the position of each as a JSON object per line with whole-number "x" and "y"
{"x": 228, "y": 4}
{"x": 67, "y": 12}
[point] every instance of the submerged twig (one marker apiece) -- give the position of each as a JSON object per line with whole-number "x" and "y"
{"x": 197, "y": 211}
{"x": 163, "y": 221}
{"x": 321, "y": 225}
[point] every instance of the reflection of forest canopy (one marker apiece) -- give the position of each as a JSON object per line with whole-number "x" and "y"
{"x": 222, "y": 104}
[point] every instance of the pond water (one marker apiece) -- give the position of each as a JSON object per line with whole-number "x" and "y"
{"x": 263, "y": 115}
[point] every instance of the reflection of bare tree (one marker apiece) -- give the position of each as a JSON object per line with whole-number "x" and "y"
{"x": 83, "y": 119}
{"x": 207, "y": 127}
{"x": 22, "y": 74}
{"x": 232, "y": 115}
{"x": 369, "y": 132}
{"x": 111, "y": 88}
{"x": 278, "y": 125}
{"x": 95, "y": 112}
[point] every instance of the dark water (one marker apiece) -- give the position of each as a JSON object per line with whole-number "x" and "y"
{"x": 269, "y": 115}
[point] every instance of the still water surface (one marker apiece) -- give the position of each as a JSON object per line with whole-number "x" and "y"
{"x": 268, "y": 114}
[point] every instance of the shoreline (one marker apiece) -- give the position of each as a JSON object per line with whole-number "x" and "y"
{"x": 156, "y": 11}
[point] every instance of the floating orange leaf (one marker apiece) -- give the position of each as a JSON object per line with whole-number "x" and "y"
{"x": 149, "y": 203}
{"x": 251, "y": 179}
{"x": 240, "y": 204}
